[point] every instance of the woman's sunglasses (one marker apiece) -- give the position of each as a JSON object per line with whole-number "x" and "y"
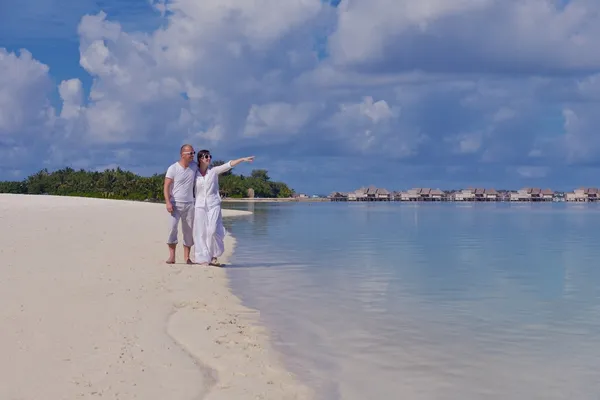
{"x": 206, "y": 156}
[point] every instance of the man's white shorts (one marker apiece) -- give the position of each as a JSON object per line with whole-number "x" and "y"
{"x": 185, "y": 213}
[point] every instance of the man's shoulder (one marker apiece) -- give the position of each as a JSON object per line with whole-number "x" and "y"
{"x": 172, "y": 170}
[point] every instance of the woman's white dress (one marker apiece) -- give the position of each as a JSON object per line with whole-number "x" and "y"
{"x": 209, "y": 232}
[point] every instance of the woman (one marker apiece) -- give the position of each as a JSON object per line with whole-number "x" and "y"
{"x": 209, "y": 231}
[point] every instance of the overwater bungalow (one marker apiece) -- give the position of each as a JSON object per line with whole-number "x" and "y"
{"x": 583, "y": 195}
{"x": 410, "y": 195}
{"x": 437, "y": 195}
{"x": 479, "y": 194}
{"x": 476, "y": 194}
{"x": 338, "y": 196}
{"x": 358, "y": 195}
{"x": 520, "y": 195}
{"x": 373, "y": 193}
{"x": 536, "y": 194}
{"x": 383, "y": 195}
{"x": 547, "y": 195}
{"x": 464, "y": 195}
{"x": 424, "y": 194}
{"x": 491, "y": 195}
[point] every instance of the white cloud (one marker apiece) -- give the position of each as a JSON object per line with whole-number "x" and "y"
{"x": 373, "y": 126}
{"x": 531, "y": 172}
{"x": 466, "y": 143}
{"x": 429, "y": 80}
{"x": 366, "y": 28}
{"x": 196, "y": 78}
{"x": 579, "y": 145}
{"x": 475, "y": 35}
{"x": 24, "y": 88}
{"x": 71, "y": 93}
{"x": 278, "y": 118}
{"x": 368, "y": 111}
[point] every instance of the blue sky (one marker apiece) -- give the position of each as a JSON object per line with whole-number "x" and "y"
{"x": 329, "y": 95}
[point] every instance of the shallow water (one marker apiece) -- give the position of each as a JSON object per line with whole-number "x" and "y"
{"x": 427, "y": 301}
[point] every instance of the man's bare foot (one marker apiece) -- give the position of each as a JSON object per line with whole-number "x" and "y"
{"x": 189, "y": 261}
{"x": 172, "y": 248}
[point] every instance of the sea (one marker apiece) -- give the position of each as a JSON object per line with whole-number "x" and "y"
{"x": 423, "y": 301}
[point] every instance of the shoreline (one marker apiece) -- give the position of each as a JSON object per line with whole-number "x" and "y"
{"x": 275, "y": 200}
{"x": 109, "y": 318}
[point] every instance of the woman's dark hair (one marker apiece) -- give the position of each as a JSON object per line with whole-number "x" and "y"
{"x": 202, "y": 153}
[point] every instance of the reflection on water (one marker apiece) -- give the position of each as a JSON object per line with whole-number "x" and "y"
{"x": 428, "y": 301}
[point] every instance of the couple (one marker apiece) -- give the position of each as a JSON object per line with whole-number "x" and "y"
{"x": 191, "y": 191}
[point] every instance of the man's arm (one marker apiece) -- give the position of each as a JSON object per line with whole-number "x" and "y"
{"x": 167, "y": 193}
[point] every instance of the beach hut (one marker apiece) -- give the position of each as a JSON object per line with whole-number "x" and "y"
{"x": 492, "y": 195}
{"x": 547, "y": 195}
{"x": 338, "y": 196}
{"x": 437, "y": 195}
{"x": 410, "y": 195}
{"x": 382, "y": 194}
{"x": 464, "y": 195}
{"x": 425, "y": 194}
{"x": 371, "y": 193}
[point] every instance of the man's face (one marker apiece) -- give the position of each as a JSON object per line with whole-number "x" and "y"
{"x": 188, "y": 154}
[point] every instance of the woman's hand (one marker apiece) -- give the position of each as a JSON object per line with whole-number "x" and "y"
{"x": 241, "y": 160}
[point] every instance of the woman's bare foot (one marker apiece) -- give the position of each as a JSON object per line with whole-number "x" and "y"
{"x": 189, "y": 261}
{"x": 215, "y": 262}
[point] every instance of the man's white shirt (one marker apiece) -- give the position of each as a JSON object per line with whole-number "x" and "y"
{"x": 182, "y": 190}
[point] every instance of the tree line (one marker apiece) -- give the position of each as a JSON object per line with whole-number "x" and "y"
{"x": 125, "y": 185}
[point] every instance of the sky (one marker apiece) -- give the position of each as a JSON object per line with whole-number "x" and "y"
{"x": 328, "y": 95}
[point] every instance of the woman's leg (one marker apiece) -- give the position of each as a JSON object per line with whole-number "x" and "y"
{"x": 201, "y": 250}
{"x": 216, "y": 233}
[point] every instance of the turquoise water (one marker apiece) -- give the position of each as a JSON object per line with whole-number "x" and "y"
{"x": 427, "y": 301}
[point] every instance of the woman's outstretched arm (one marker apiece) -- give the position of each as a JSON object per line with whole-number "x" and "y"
{"x": 230, "y": 164}
{"x": 241, "y": 160}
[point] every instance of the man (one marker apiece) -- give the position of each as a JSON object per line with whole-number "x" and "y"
{"x": 179, "y": 198}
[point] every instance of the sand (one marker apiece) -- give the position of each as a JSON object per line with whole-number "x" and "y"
{"x": 90, "y": 310}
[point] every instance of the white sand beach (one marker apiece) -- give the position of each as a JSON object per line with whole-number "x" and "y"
{"x": 90, "y": 310}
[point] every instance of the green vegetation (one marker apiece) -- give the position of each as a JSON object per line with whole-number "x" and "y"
{"x": 125, "y": 185}
{"x": 236, "y": 186}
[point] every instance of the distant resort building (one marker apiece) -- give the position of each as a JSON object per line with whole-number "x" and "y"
{"x": 532, "y": 194}
{"x": 477, "y": 194}
{"x": 363, "y": 194}
{"x": 583, "y": 195}
{"x": 373, "y": 193}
